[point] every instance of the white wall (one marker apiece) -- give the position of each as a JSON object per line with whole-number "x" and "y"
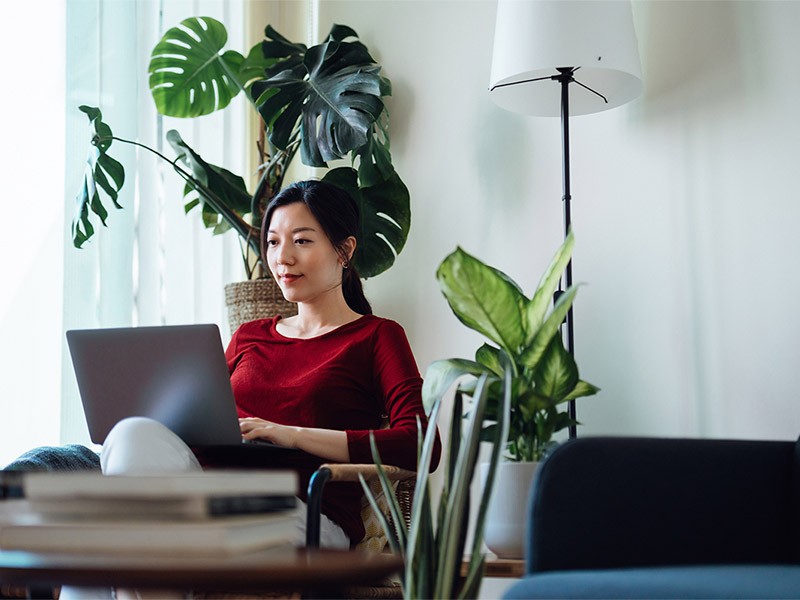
{"x": 684, "y": 207}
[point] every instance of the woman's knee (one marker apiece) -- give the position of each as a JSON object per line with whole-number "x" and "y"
{"x": 143, "y": 445}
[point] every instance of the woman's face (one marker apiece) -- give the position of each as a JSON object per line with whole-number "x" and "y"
{"x": 300, "y": 256}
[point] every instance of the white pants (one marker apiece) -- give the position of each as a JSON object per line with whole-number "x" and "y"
{"x": 139, "y": 445}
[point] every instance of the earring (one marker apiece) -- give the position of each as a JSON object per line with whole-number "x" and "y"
{"x": 345, "y": 264}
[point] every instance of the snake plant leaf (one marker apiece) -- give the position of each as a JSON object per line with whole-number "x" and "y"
{"x": 421, "y": 542}
{"x": 222, "y": 194}
{"x": 536, "y": 309}
{"x": 101, "y": 171}
{"x": 189, "y": 76}
{"x": 385, "y": 211}
{"x": 483, "y": 298}
{"x": 335, "y": 94}
{"x": 453, "y": 529}
{"x": 501, "y": 428}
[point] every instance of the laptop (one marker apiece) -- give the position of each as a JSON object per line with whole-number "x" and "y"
{"x": 175, "y": 374}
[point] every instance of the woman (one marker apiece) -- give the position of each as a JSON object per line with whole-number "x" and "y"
{"x": 319, "y": 381}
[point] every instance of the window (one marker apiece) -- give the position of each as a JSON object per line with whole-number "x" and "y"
{"x": 153, "y": 264}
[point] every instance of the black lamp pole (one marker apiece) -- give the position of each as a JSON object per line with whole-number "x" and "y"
{"x": 565, "y": 78}
{"x": 566, "y": 75}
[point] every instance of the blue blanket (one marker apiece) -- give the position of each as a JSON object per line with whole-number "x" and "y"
{"x": 72, "y": 457}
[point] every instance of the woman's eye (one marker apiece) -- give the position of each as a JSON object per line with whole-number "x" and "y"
{"x": 272, "y": 242}
{"x": 302, "y": 241}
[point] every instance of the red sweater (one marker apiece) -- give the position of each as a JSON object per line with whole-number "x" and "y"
{"x": 346, "y": 379}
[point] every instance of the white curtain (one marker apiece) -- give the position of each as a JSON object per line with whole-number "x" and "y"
{"x": 153, "y": 265}
{"x": 32, "y": 167}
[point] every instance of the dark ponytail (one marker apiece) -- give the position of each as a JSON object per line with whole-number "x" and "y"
{"x": 337, "y": 213}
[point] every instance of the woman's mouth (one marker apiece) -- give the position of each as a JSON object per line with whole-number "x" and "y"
{"x": 289, "y": 277}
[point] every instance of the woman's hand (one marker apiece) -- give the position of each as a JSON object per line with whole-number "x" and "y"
{"x": 327, "y": 443}
{"x": 283, "y": 435}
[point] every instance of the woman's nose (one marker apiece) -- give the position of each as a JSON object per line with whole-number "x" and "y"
{"x": 283, "y": 255}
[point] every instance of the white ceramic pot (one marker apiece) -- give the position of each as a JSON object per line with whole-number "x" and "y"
{"x": 507, "y": 517}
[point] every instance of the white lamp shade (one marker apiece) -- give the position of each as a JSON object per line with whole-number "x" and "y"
{"x": 535, "y": 37}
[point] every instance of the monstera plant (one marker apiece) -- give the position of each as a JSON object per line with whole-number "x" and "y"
{"x": 325, "y": 101}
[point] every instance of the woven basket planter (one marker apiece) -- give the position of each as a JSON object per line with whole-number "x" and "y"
{"x": 255, "y": 299}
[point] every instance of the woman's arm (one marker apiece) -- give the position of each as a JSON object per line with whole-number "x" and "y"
{"x": 325, "y": 443}
{"x": 399, "y": 385}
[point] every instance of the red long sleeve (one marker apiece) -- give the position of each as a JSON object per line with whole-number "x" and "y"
{"x": 347, "y": 379}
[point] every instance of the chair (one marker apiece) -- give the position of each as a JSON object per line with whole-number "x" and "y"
{"x": 664, "y": 518}
{"x": 376, "y": 539}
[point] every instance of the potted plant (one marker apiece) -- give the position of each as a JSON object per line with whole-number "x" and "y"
{"x": 525, "y": 334}
{"x": 434, "y": 544}
{"x": 325, "y": 101}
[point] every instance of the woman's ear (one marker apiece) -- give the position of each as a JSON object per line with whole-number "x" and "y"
{"x": 348, "y": 248}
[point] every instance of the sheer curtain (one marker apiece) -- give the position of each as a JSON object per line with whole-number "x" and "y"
{"x": 154, "y": 264}
{"x": 32, "y": 167}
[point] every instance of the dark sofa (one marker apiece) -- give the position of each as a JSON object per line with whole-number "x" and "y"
{"x": 664, "y": 518}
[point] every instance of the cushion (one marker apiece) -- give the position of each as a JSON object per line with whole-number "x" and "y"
{"x": 691, "y": 582}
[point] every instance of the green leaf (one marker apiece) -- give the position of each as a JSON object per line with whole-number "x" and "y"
{"x": 483, "y": 298}
{"x": 556, "y": 373}
{"x": 442, "y": 374}
{"x": 375, "y": 159}
{"x": 475, "y": 570}
{"x": 385, "y": 211}
{"x": 101, "y": 171}
{"x": 421, "y": 535}
{"x": 453, "y": 529}
{"x": 335, "y": 93}
{"x": 581, "y": 389}
{"x": 189, "y": 77}
{"x": 254, "y": 67}
{"x": 222, "y": 194}
{"x": 543, "y": 297}
{"x": 531, "y": 355}
{"x": 282, "y": 53}
{"x": 491, "y": 358}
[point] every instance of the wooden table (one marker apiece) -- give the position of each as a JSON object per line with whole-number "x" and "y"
{"x": 273, "y": 569}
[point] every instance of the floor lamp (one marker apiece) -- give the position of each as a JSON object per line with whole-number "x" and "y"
{"x": 564, "y": 58}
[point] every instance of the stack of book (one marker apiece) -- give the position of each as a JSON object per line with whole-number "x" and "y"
{"x": 203, "y": 513}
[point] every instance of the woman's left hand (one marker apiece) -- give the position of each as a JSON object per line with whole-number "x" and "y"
{"x": 283, "y": 435}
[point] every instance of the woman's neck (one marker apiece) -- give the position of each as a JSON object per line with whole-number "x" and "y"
{"x": 312, "y": 320}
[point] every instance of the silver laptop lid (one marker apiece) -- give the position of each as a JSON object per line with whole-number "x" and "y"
{"x": 174, "y": 374}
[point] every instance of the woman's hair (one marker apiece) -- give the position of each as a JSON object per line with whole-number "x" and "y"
{"x": 337, "y": 212}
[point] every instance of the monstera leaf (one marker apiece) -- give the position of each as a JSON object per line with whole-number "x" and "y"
{"x": 385, "y": 219}
{"x": 189, "y": 77}
{"x": 101, "y": 171}
{"x": 335, "y": 93}
{"x": 222, "y": 194}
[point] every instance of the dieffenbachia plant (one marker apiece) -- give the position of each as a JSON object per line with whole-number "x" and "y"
{"x": 525, "y": 333}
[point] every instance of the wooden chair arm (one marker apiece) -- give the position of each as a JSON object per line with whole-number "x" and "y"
{"x": 341, "y": 472}
{"x": 350, "y": 472}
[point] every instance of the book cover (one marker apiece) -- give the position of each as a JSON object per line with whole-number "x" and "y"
{"x": 212, "y": 537}
{"x": 64, "y": 485}
{"x": 187, "y": 508}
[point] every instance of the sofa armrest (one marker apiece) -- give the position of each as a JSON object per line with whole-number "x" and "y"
{"x": 626, "y": 502}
